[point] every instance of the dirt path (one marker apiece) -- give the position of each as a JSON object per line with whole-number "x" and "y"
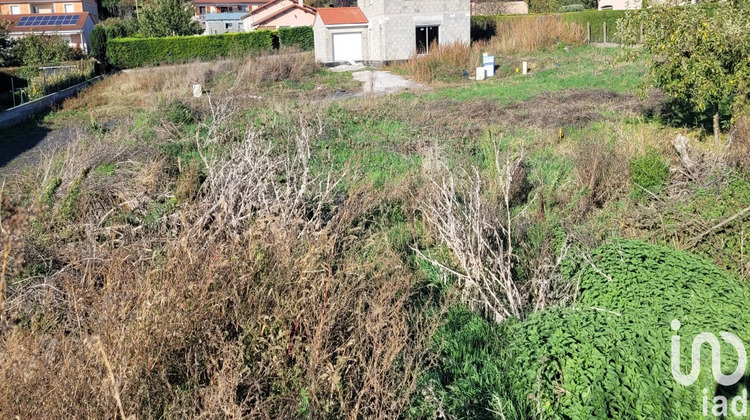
{"x": 383, "y": 82}
{"x": 23, "y": 145}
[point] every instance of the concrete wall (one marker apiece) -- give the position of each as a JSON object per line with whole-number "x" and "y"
{"x": 393, "y": 23}
{"x": 20, "y": 113}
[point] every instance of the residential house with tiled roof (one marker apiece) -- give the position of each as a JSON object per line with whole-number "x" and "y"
{"x": 75, "y": 28}
{"x": 29, "y": 7}
{"x": 280, "y": 14}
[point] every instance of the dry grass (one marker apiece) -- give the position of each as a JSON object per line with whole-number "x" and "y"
{"x": 275, "y": 300}
{"x": 527, "y": 35}
{"x": 147, "y": 88}
{"x": 443, "y": 61}
{"x": 514, "y": 35}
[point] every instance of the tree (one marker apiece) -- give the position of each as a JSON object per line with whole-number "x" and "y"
{"x": 98, "y": 42}
{"x": 699, "y": 54}
{"x": 6, "y": 44}
{"x": 39, "y": 49}
{"x": 167, "y": 18}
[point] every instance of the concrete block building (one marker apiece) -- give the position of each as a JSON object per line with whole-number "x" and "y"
{"x": 395, "y": 29}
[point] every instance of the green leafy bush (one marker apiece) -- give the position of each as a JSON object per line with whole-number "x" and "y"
{"x": 572, "y": 8}
{"x": 300, "y": 36}
{"x": 609, "y": 357}
{"x": 41, "y": 50}
{"x": 41, "y": 84}
{"x": 649, "y": 172}
{"x": 470, "y": 379}
{"x": 125, "y": 53}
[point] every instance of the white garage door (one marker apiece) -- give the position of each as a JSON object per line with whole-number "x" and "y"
{"x": 347, "y": 46}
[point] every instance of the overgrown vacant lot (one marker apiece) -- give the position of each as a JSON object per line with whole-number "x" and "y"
{"x": 514, "y": 248}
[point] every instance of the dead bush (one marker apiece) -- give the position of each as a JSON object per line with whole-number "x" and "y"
{"x": 270, "y": 296}
{"x": 444, "y": 62}
{"x": 478, "y": 233}
{"x": 292, "y": 66}
{"x": 738, "y": 150}
{"x": 600, "y": 172}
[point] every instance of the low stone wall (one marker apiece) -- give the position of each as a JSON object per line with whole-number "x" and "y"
{"x": 16, "y": 115}
{"x": 500, "y": 8}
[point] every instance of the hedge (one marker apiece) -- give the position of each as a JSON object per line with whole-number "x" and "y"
{"x": 300, "y": 36}
{"x": 483, "y": 27}
{"x": 572, "y": 8}
{"x": 125, "y": 53}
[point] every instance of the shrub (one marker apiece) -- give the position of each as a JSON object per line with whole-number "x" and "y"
{"x": 698, "y": 55}
{"x": 572, "y": 8}
{"x": 300, "y": 36}
{"x": 609, "y": 357}
{"x": 649, "y": 172}
{"x": 98, "y": 42}
{"x": 38, "y": 50}
{"x": 444, "y": 62}
{"x": 127, "y": 53}
{"x": 40, "y": 84}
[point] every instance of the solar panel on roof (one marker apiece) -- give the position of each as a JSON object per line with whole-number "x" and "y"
{"x": 65, "y": 20}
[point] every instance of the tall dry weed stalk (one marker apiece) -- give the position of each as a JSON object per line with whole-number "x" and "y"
{"x": 443, "y": 61}
{"x": 478, "y": 232}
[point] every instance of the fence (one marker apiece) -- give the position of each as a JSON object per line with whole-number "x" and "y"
{"x": 28, "y": 84}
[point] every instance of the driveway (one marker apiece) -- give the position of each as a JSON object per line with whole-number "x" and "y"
{"x": 383, "y": 82}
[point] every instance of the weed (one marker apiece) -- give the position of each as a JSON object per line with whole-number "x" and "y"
{"x": 649, "y": 173}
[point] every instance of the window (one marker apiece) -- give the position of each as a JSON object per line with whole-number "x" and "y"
{"x": 68, "y": 8}
{"x": 227, "y": 26}
{"x": 223, "y": 9}
{"x": 15, "y": 10}
{"x": 426, "y": 36}
{"x": 202, "y": 10}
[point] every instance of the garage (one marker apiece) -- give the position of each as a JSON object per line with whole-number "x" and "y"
{"x": 341, "y": 35}
{"x": 347, "y": 47}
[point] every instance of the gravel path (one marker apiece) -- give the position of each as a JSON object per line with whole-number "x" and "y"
{"x": 383, "y": 82}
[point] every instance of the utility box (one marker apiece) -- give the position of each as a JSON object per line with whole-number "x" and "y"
{"x": 481, "y": 73}
{"x": 488, "y": 62}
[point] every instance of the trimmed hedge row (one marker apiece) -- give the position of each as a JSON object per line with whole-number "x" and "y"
{"x": 483, "y": 27}
{"x": 301, "y": 36}
{"x": 125, "y": 53}
{"x": 596, "y": 19}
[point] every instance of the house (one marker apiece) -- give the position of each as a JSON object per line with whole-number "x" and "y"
{"x": 75, "y": 28}
{"x": 619, "y": 4}
{"x": 204, "y": 7}
{"x": 29, "y": 7}
{"x": 222, "y": 23}
{"x": 280, "y": 14}
{"x": 503, "y": 7}
{"x": 381, "y": 31}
